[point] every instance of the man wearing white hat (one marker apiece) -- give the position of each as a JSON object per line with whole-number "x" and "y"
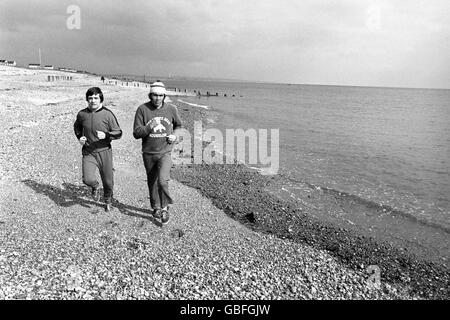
{"x": 155, "y": 123}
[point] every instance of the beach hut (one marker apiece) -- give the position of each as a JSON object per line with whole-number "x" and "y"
{"x": 34, "y": 65}
{"x": 49, "y": 67}
{"x": 2, "y": 61}
{"x": 11, "y": 63}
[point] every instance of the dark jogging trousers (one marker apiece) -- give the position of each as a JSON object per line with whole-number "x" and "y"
{"x": 158, "y": 175}
{"x": 102, "y": 161}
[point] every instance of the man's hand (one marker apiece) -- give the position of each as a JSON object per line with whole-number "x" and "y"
{"x": 152, "y": 123}
{"x": 101, "y": 135}
{"x": 171, "y": 138}
{"x": 82, "y": 140}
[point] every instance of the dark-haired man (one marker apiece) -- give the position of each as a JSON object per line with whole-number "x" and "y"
{"x": 155, "y": 122}
{"x": 94, "y": 128}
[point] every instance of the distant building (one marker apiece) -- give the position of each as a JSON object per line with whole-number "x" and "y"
{"x": 8, "y": 63}
{"x": 34, "y": 66}
{"x": 49, "y": 67}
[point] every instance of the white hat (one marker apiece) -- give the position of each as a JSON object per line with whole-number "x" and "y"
{"x": 157, "y": 87}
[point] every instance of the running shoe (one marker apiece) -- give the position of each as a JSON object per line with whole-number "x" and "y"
{"x": 165, "y": 215}
{"x": 95, "y": 193}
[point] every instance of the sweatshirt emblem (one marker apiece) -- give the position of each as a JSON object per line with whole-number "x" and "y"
{"x": 157, "y": 126}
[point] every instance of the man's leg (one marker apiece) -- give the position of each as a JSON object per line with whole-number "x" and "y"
{"x": 164, "y": 165}
{"x": 152, "y": 176}
{"x": 105, "y": 161}
{"x": 88, "y": 166}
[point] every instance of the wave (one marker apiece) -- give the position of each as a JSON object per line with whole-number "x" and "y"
{"x": 194, "y": 104}
{"x": 345, "y": 196}
{"x": 372, "y": 205}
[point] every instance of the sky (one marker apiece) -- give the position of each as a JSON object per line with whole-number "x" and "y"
{"x": 395, "y": 43}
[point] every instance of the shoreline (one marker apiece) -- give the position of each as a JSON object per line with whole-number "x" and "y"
{"x": 245, "y": 195}
{"x": 423, "y": 237}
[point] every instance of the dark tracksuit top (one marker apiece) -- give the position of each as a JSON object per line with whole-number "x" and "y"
{"x": 97, "y": 152}
{"x": 89, "y": 122}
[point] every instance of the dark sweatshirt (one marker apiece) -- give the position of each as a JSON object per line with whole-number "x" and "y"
{"x": 154, "y": 125}
{"x": 89, "y": 122}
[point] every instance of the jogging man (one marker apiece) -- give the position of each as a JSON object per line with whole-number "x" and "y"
{"x": 94, "y": 128}
{"x": 156, "y": 122}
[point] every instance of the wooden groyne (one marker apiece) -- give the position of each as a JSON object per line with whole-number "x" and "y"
{"x": 171, "y": 90}
{"x": 198, "y": 93}
{"x": 57, "y": 78}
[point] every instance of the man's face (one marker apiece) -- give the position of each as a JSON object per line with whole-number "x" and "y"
{"x": 94, "y": 102}
{"x": 157, "y": 99}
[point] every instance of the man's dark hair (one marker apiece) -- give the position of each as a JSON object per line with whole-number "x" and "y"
{"x": 94, "y": 90}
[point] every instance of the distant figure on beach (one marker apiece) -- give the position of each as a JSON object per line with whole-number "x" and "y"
{"x": 103, "y": 79}
{"x": 156, "y": 122}
{"x": 94, "y": 128}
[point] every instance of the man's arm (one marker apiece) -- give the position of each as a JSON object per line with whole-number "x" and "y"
{"x": 176, "y": 125}
{"x": 78, "y": 127}
{"x": 176, "y": 120}
{"x": 79, "y": 131}
{"x": 114, "y": 129}
{"x": 140, "y": 130}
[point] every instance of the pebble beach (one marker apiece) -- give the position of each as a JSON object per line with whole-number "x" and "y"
{"x": 226, "y": 240}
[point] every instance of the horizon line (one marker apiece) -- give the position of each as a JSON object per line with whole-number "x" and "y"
{"x": 283, "y": 83}
{"x": 253, "y": 81}
{"x": 176, "y": 77}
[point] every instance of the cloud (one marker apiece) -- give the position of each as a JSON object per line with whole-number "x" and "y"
{"x": 344, "y": 42}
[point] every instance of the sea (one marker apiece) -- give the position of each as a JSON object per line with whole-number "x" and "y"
{"x": 387, "y": 147}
